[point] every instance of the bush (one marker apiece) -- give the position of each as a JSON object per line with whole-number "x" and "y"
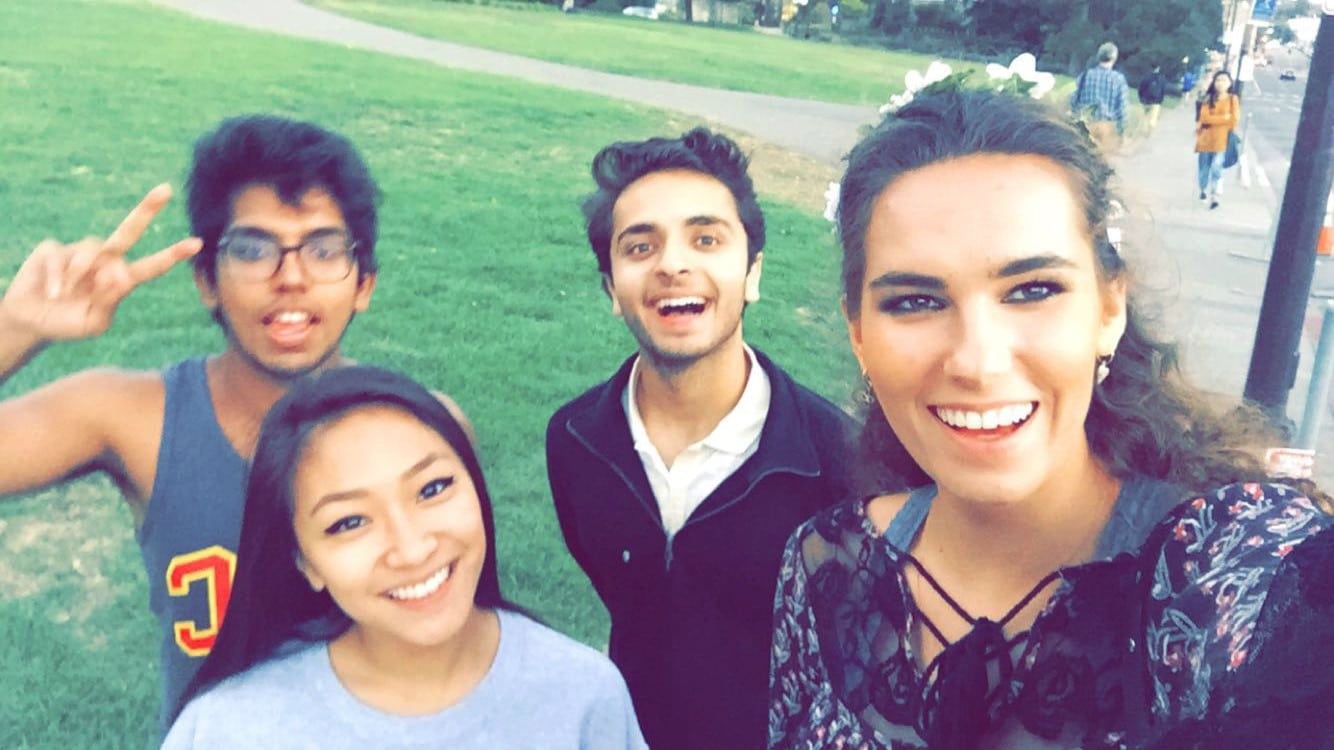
{"x": 944, "y": 17}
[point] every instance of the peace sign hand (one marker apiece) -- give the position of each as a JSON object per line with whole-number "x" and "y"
{"x": 72, "y": 291}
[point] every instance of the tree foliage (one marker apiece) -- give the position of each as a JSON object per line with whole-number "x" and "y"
{"x": 1064, "y": 34}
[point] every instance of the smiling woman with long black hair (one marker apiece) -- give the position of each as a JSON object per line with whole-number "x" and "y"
{"x": 367, "y": 611}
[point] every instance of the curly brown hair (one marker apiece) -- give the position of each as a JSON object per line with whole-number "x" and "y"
{"x": 1145, "y": 419}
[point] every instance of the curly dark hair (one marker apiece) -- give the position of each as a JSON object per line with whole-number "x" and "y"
{"x": 700, "y": 150}
{"x": 1144, "y": 419}
{"x": 289, "y": 156}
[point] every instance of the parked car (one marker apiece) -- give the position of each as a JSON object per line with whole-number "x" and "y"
{"x": 651, "y": 13}
{"x": 1288, "y": 74}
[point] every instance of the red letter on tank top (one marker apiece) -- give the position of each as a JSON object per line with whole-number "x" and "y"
{"x": 214, "y": 566}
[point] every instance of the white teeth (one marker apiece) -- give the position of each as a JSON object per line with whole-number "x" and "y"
{"x": 291, "y": 317}
{"x": 985, "y": 420}
{"x": 423, "y": 589}
{"x": 677, "y": 303}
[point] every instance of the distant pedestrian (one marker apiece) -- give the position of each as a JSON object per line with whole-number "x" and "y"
{"x": 1100, "y": 100}
{"x": 1151, "y": 91}
{"x": 1219, "y": 112}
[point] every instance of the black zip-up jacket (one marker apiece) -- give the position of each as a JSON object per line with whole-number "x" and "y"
{"x": 692, "y": 624}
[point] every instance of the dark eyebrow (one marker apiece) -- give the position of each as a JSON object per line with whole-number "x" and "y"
{"x": 704, "y": 221}
{"x": 1035, "y": 263}
{"x": 640, "y": 228}
{"x": 334, "y": 497}
{"x": 257, "y": 232}
{"x": 1013, "y": 268}
{"x": 920, "y": 281}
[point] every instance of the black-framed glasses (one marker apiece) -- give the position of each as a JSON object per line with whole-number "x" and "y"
{"x": 255, "y": 256}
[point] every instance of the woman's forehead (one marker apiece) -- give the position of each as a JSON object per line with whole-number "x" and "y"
{"x": 994, "y": 206}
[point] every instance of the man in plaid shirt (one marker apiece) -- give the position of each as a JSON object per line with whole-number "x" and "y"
{"x": 1100, "y": 99}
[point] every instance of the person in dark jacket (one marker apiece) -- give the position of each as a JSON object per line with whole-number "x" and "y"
{"x": 677, "y": 481}
{"x": 1151, "y": 91}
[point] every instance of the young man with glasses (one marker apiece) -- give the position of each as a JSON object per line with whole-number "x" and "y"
{"x": 284, "y": 218}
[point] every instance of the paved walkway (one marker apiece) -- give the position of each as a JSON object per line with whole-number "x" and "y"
{"x": 1206, "y": 267}
{"x": 818, "y": 129}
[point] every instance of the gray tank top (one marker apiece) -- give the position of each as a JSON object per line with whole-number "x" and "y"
{"x": 189, "y": 535}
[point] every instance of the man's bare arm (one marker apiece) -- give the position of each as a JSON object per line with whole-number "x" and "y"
{"x": 76, "y": 425}
{"x": 66, "y": 292}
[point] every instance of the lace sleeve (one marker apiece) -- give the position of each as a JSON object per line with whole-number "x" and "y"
{"x": 1214, "y": 576}
{"x": 795, "y": 655}
{"x": 1280, "y": 697}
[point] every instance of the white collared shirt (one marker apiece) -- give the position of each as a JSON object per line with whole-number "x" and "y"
{"x": 703, "y": 465}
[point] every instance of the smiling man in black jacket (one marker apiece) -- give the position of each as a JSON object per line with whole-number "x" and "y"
{"x": 678, "y": 480}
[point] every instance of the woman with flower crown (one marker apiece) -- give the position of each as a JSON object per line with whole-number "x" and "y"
{"x": 1090, "y": 556}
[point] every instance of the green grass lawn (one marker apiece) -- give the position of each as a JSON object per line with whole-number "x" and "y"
{"x": 730, "y": 58}
{"x": 487, "y": 291}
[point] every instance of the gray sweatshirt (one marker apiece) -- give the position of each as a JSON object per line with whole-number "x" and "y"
{"x": 543, "y": 690}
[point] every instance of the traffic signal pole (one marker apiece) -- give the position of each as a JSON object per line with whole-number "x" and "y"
{"x": 1273, "y": 367}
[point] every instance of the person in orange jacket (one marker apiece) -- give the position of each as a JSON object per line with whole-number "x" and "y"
{"x": 1218, "y": 113}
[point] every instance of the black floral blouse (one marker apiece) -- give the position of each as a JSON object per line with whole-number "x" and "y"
{"x": 1213, "y": 627}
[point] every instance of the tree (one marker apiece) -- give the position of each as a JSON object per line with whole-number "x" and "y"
{"x": 1022, "y": 24}
{"x": 1065, "y": 33}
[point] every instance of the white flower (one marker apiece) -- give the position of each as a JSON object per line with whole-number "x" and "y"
{"x": 831, "y": 196}
{"x": 936, "y": 71}
{"x": 1026, "y": 67}
{"x": 1042, "y": 84}
{"x": 896, "y": 102}
{"x": 915, "y": 81}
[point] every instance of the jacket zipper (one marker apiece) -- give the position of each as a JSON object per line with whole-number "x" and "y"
{"x": 648, "y": 509}
{"x": 694, "y": 519}
{"x": 670, "y": 539}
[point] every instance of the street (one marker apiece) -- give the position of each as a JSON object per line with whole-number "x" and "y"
{"x": 1271, "y": 108}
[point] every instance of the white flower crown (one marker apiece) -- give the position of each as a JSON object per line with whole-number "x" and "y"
{"x": 1021, "y": 77}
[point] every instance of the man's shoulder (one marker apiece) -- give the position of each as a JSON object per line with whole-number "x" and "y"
{"x": 120, "y": 395}
{"x": 812, "y": 404}
{"x": 1106, "y": 74}
{"x": 589, "y": 399}
{"x": 583, "y": 401}
{"x": 581, "y": 404}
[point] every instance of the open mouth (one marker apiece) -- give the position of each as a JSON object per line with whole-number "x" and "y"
{"x": 418, "y": 591}
{"x": 998, "y": 421}
{"x": 676, "y": 306}
{"x": 289, "y": 327}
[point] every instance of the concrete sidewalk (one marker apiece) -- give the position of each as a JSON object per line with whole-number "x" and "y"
{"x": 1207, "y": 267}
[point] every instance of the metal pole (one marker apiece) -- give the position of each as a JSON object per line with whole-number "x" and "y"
{"x": 1244, "y": 164}
{"x": 1273, "y": 365}
{"x": 1317, "y": 396}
